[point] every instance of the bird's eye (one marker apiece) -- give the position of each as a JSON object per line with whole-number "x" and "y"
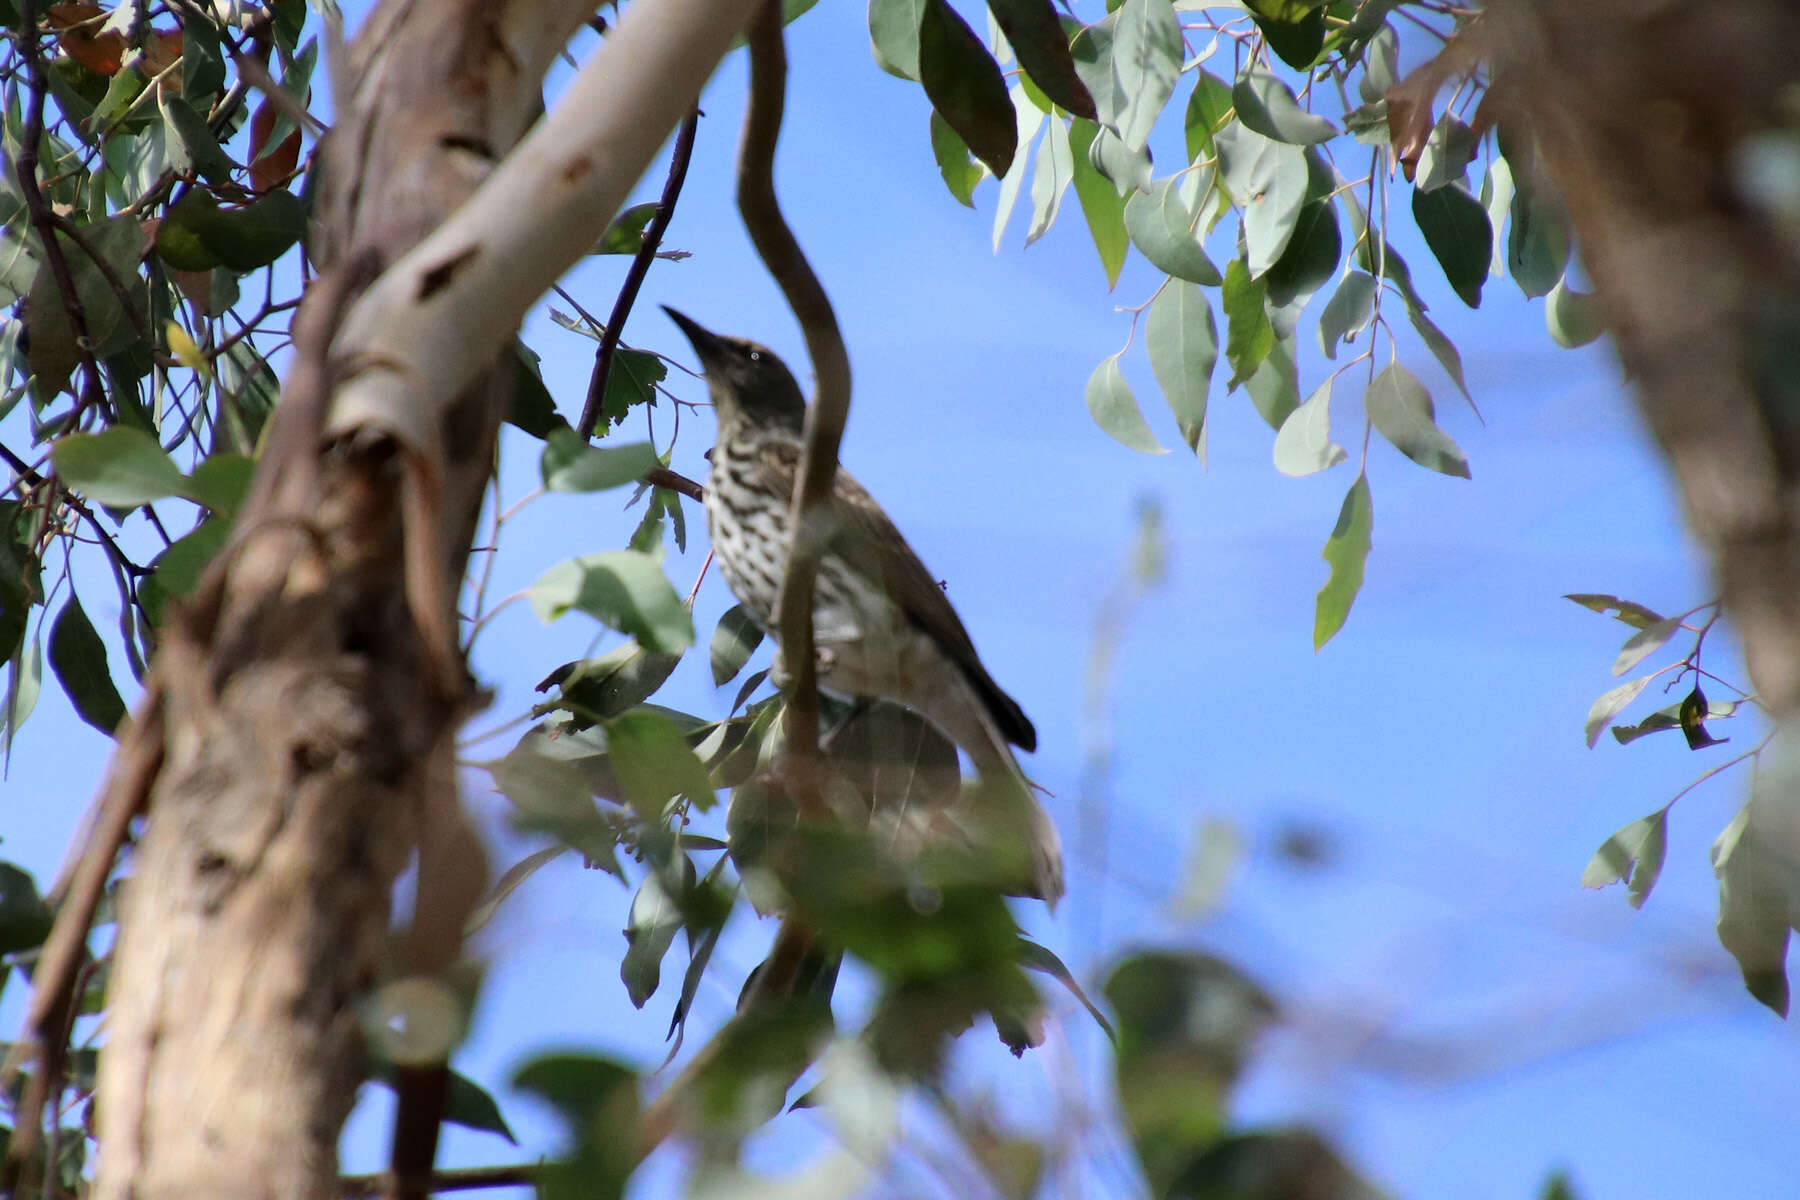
{"x": 756, "y": 356}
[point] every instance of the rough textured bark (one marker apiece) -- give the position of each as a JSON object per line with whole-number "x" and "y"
{"x": 308, "y": 700}
{"x": 1658, "y": 122}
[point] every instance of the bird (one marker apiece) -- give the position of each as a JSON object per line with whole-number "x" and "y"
{"x": 883, "y": 627}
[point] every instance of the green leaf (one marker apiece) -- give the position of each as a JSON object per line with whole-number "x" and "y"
{"x": 470, "y": 1105}
{"x": 1644, "y": 643}
{"x": 1128, "y": 169}
{"x": 1116, "y": 410}
{"x": 1207, "y": 110}
{"x": 221, "y": 483}
{"x": 625, "y": 235}
{"x": 598, "y": 689}
{"x": 1266, "y": 105}
{"x": 1298, "y": 42}
{"x": 1037, "y": 958}
{"x": 1035, "y": 32}
{"x": 533, "y": 408}
{"x": 1537, "y": 242}
{"x": 179, "y": 568}
{"x": 1348, "y": 312}
{"x": 1248, "y": 335}
{"x": 1665, "y": 719}
{"x": 1028, "y": 119}
{"x": 1275, "y": 387}
{"x": 1092, "y": 51}
{"x": 1758, "y": 865}
{"x": 25, "y": 919}
{"x": 197, "y": 138}
{"x": 655, "y": 764}
{"x": 894, "y": 35}
{"x": 623, "y": 589}
{"x": 1402, "y": 412}
{"x": 1101, "y": 205}
{"x": 1440, "y": 345}
{"x": 734, "y": 640}
{"x": 23, "y": 682}
{"x": 1183, "y": 344}
{"x": 1629, "y": 611}
{"x": 965, "y": 85}
{"x": 650, "y": 929}
{"x": 1573, "y": 318}
{"x": 1268, "y": 180}
{"x": 596, "y": 1100}
{"x": 1610, "y": 705}
{"x": 198, "y": 235}
{"x": 1457, "y": 230}
{"x": 1162, "y": 227}
{"x": 1445, "y": 159}
{"x": 1147, "y": 51}
{"x": 1347, "y": 550}
{"x": 120, "y": 467}
{"x": 1310, "y": 259}
{"x": 961, "y": 172}
{"x": 1303, "y": 446}
{"x": 570, "y": 464}
{"x": 78, "y": 657}
{"x": 1055, "y": 170}
{"x": 1692, "y": 714}
{"x": 1636, "y": 850}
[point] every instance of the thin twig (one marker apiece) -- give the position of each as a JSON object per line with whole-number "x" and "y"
{"x": 465, "y": 1179}
{"x": 662, "y": 477}
{"x": 634, "y": 278}
{"x": 825, "y": 417}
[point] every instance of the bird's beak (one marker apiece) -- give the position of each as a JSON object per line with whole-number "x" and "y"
{"x": 706, "y": 344}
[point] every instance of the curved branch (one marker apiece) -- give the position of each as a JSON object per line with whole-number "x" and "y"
{"x": 825, "y": 417}
{"x": 640, "y": 267}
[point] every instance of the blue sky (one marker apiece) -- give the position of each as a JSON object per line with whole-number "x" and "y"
{"x": 1462, "y": 1017}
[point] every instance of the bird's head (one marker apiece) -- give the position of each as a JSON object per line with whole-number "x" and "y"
{"x": 747, "y": 381}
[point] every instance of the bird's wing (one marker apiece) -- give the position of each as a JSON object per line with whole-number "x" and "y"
{"x": 870, "y": 544}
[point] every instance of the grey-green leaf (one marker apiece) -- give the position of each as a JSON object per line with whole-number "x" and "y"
{"x": 1573, "y": 318}
{"x": 894, "y": 35}
{"x": 1147, "y": 53}
{"x": 734, "y": 640}
{"x": 1267, "y": 179}
{"x": 1266, "y": 105}
{"x": 1636, "y": 851}
{"x": 1035, "y": 32}
{"x": 1347, "y": 550}
{"x": 1759, "y": 887}
{"x": 1608, "y": 706}
{"x": 1053, "y": 172}
{"x": 623, "y": 589}
{"x": 1402, "y": 412}
{"x": 1348, "y": 312}
{"x": 1115, "y": 409}
{"x": 1183, "y": 342}
{"x": 960, "y": 171}
{"x": 1163, "y": 229}
{"x": 1207, "y": 109}
{"x": 1303, "y": 446}
{"x": 1644, "y": 643}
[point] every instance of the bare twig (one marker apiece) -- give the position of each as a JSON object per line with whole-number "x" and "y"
{"x": 825, "y": 417}
{"x": 467, "y": 1179}
{"x": 675, "y": 481}
{"x": 634, "y": 278}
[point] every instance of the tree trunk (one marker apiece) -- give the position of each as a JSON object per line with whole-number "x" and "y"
{"x": 1673, "y": 135}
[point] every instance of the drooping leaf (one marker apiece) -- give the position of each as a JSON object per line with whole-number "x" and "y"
{"x": 1207, "y": 109}
{"x": 1311, "y": 257}
{"x": 1162, "y": 227}
{"x": 1758, "y": 864}
{"x": 1441, "y": 347}
{"x": 1147, "y": 53}
{"x": 121, "y": 467}
{"x": 623, "y": 589}
{"x": 1691, "y": 714}
{"x": 1573, "y": 318}
{"x": 1101, "y": 205}
{"x": 960, "y": 171}
{"x": 1629, "y": 611}
{"x": 1347, "y": 550}
{"x": 78, "y": 657}
{"x": 734, "y": 640}
{"x": 1115, "y": 409}
{"x": 1446, "y": 155}
{"x": 1457, "y": 230}
{"x": 1296, "y": 42}
{"x": 1644, "y": 643}
{"x": 625, "y": 233}
{"x": 1268, "y": 180}
{"x": 1349, "y": 311}
{"x": 1402, "y": 412}
{"x": 24, "y": 917}
{"x": 1274, "y": 388}
{"x": 894, "y": 35}
{"x": 1248, "y": 335}
{"x": 597, "y": 1101}
{"x": 1635, "y": 851}
{"x": 598, "y": 689}
{"x": 1035, "y": 32}
{"x": 178, "y": 569}
{"x": 1537, "y": 241}
{"x": 965, "y": 85}
{"x": 1055, "y": 169}
{"x": 1028, "y": 119}
{"x": 1183, "y": 343}
{"x": 650, "y": 929}
{"x": 1266, "y": 105}
{"x": 1610, "y": 705}
{"x": 1303, "y": 446}
{"x": 197, "y": 234}
{"x": 1665, "y": 719}
{"x": 1092, "y": 50}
